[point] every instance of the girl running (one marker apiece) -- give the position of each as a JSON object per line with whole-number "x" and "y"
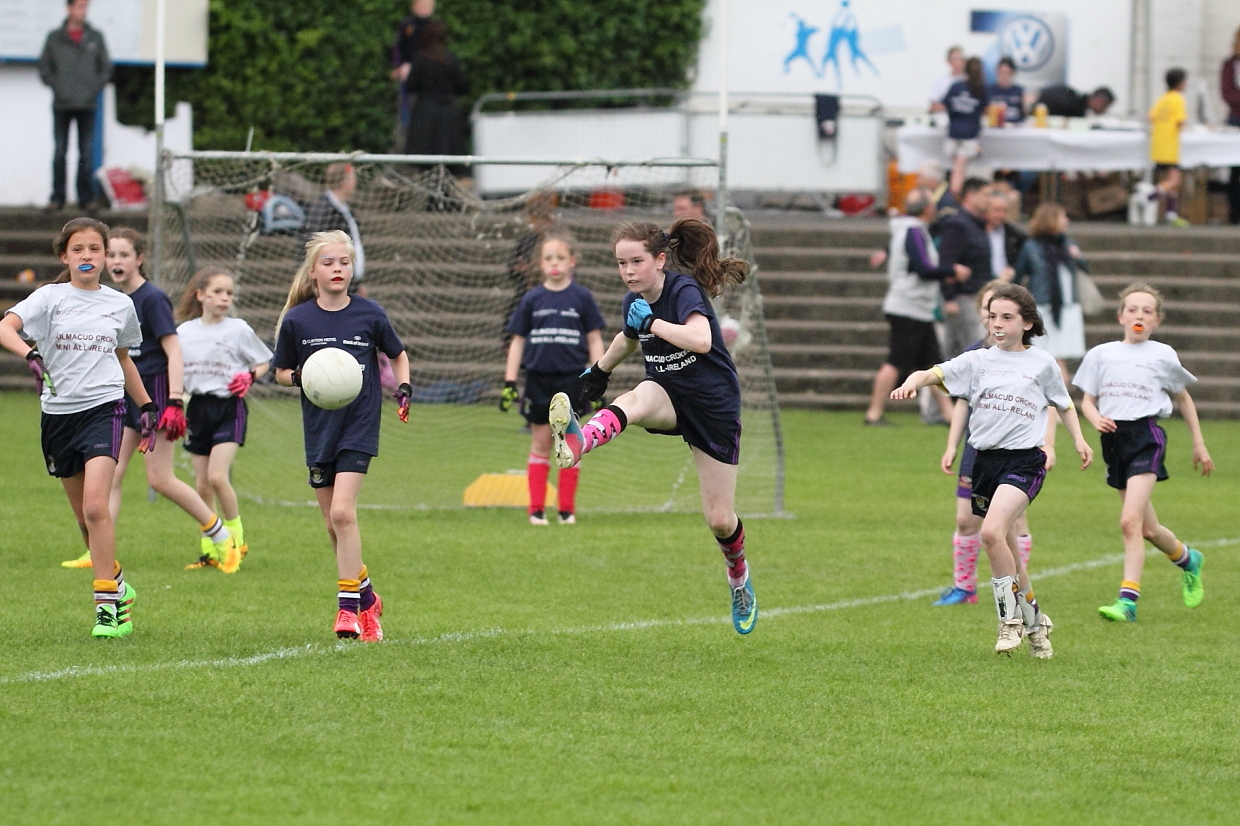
{"x": 1009, "y": 387}
{"x": 82, "y": 336}
{"x": 691, "y": 388}
{"x": 158, "y": 359}
{"x": 340, "y": 443}
{"x": 967, "y": 540}
{"x": 223, "y": 357}
{"x": 1128, "y": 386}
{"x": 556, "y": 330}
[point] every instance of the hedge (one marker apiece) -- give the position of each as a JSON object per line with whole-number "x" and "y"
{"x": 312, "y": 75}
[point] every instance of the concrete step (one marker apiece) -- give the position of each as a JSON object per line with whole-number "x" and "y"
{"x": 839, "y": 356}
{"x": 785, "y": 283}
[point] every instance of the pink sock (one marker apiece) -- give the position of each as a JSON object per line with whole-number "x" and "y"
{"x": 733, "y": 548}
{"x": 536, "y": 474}
{"x": 568, "y": 489}
{"x": 604, "y": 426}
{"x": 964, "y": 558}
{"x": 1024, "y": 545}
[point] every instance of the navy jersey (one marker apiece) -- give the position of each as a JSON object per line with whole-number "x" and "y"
{"x": 964, "y": 111}
{"x": 707, "y": 379}
{"x": 554, "y": 325}
{"x": 1013, "y": 97}
{"x": 155, "y": 319}
{"x": 361, "y": 328}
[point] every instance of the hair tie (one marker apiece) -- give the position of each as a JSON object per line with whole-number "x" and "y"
{"x": 671, "y": 241}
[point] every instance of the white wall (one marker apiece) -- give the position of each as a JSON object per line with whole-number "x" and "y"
{"x": 26, "y": 136}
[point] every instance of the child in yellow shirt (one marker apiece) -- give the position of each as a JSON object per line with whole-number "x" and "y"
{"x": 1167, "y": 117}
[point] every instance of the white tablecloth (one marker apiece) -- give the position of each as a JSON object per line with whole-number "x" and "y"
{"x": 1106, "y": 150}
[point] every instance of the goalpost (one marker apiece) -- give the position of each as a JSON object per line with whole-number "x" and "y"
{"x": 447, "y": 260}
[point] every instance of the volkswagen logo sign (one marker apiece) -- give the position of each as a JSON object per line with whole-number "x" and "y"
{"x": 1028, "y": 41}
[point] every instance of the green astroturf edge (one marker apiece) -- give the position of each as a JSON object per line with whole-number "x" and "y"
{"x": 510, "y": 689}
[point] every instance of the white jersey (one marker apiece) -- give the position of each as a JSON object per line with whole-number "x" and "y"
{"x": 78, "y": 331}
{"x": 1008, "y": 393}
{"x": 214, "y": 353}
{"x": 1132, "y": 381}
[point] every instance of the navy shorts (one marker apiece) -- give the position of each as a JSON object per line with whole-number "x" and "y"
{"x": 913, "y": 345}
{"x": 1135, "y": 448}
{"x": 964, "y": 483}
{"x": 157, "y": 388}
{"x": 720, "y": 439}
{"x": 70, "y": 440}
{"x": 1024, "y": 469}
{"x": 323, "y": 475}
{"x": 540, "y": 387}
{"x": 212, "y": 421}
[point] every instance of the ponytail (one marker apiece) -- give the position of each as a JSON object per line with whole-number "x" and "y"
{"x": 303, "y": 288}
{"x": 691, "y": 247}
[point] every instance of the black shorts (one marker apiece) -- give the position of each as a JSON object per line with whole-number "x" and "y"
{"x": 718, "y": 438}
{"x": 964, "y": 482}
{"x": 913, "y": 345}
{"x": 323, "y": 475}
{"x": 71, "y": 439}
{"x": 1023, "y": 469}
{"x": 1135, "y": 448}
{"x": 157, "y": 388}
{"x": 540, "y": 387}
{"x": 212, "y": 421}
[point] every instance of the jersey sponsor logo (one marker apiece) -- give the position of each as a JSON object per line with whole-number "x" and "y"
{"x": 314, "y": 342}
{"x": 356, "y": 342}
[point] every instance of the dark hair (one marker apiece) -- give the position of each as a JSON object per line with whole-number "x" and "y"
{"x": 432, "y": 41}
{"x": 1006, "y": 61}
{"x": 1105, "y": 92}
{"x": 972, "y": 185}
{"x": 133, "y": 237}
{"x": 1028, "y": 308}
{"x": 975, "y": 77}
{"x": 1175, "y": 77}
{"x": 60, "y": 244}
{"x": 691, "y": 247}
{"x": 189, "y": 307}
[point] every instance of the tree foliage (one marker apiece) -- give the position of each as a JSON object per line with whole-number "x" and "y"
{"x": 312, "y": 75}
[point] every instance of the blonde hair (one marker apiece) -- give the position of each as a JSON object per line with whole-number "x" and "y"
{"x": 189, "y": 307}
{"x": 1142, "y": 287}
{"x": 303, "y": 288}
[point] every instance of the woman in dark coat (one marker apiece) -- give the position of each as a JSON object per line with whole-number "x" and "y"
{"x": 436, "y": 83}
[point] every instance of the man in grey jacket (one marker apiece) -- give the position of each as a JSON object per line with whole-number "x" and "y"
{"x": 76, "y": 66}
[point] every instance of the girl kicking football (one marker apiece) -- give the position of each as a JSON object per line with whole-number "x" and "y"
{"x": 556, "y": 331}
{"x": 1128, "y": 386}
{"x": 82, "y": 334}
{"x": 223, "y": 357}
{"x": 159, "y": 362}
{"x": 691, "y": 388}
{"x": 1009, "y": 387}
{"x": 340, "y": 443}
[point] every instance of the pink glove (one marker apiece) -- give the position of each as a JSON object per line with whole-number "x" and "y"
{"x": 172, "y": 422}
{"x": 240, "y": 384}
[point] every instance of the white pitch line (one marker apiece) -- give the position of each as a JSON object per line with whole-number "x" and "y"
{"x": 314, "y": 649}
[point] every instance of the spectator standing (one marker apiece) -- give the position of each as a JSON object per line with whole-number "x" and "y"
{"x": 955, "y": 72}
{"x": 689, "y": 204}
{"x": 1167, "y": 118}
{"x": 913, "y": 273}
{"x": 404, "y": 48}
{"x": 1065, "y": 102}
{"x": 1006, "y": 239}
{"x": 1047, "y": 266}
{"x": 962, "y": 240}
{"x": 1229, "y": 82}
{"x": 331, "y": 211}
{"x": 1004, "y": 90}
{"x": 75, "y": 64}
{"x": 437, "y": 81}
{"x": 966, "y": 101}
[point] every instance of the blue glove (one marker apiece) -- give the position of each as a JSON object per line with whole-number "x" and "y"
{"x": 640, "y": 316}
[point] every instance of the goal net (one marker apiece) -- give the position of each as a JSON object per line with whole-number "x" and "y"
{"x": 448, "y": 257}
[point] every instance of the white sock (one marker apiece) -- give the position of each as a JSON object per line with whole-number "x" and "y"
{"x": 215, "y": 530}
{"x": 1005, "y": 597}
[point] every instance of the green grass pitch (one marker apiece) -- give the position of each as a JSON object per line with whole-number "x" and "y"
{"x": 588, "y": 675}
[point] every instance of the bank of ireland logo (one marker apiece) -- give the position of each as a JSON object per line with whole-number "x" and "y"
{"x": 1028, "y": 41}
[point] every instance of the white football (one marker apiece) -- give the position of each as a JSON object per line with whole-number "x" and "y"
{"x": 331, "y": 378}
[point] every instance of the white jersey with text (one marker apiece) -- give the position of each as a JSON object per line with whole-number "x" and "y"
{"x": 78, "y": 331}
{"x": 214, "y": 353}
{"x": 1008, "y": 393}
{"x": 1132, "y": 381}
